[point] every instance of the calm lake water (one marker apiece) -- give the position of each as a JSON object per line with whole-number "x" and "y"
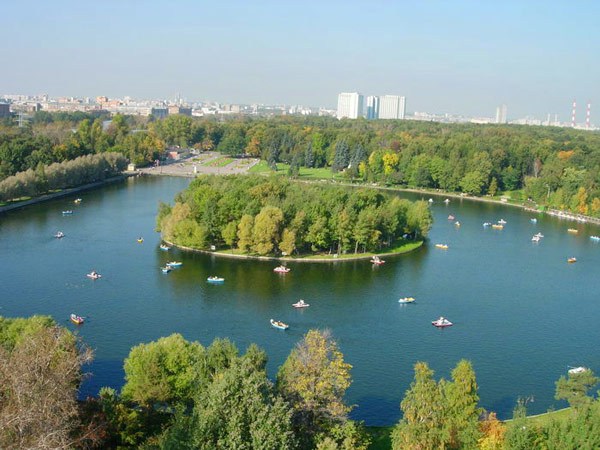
{"x": 521, "y": 313}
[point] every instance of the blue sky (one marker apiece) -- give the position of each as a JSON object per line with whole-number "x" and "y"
{"x": 445, "y": 56}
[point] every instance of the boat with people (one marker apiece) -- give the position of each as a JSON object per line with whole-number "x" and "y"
{"x": 77, "y": 201}
{"x": 165, "y": 269}
{"x": 487, "y": 224}
{"x": 93, "y": 275}
{"x": 535, "y": 238}
{"x": 573, "y": 230}
{"x": 140, "y": 240}
{"x": 59, "y": 234}
{"x": 430, "y": 200}
{"x": 279, "y": 324}
{"x": 451, "y": 217}
{"x": 442, "y": 246}
{"x": 577, "y": 370}
{"x": 215, "y": 279}
{"x": 300, "y": 304}
{"x": 497, "y": 226}
{"x": 174, "y": 264}
{"x": 164, "y": 248}
{"x": 533, "y": 220}
{"x": 377, "y": 261}
{"x": 281, "y": 269}
{"x": 502, "y": 222}
{"x": 442, "y": 322}
{"x": 595, "y": 238}
{"x": 67, "y": 212}
{"x": 457, "y": 223}
{"x": 572, "y": 259}
{"x": 447, "y": 201}
{"x": 406, "y": 300}
{"x": 77, "y": 319}
{"x": 540, "y": 235}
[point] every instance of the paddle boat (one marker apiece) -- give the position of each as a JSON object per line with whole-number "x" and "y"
{"x": 572, "y": 259}
{"x": 281, "y": 269}
{"x": 165, "y": 269}
{"x": 300, "y": 304}
{"x": 59, "y": 234}
{"x": 442, "y": 323}
{"x": 595, "y": 238}
{"x": 93, "y": 275}
{"x": 442, "y": 246}
{"x": 457, "y": 223}
{"x": 77, "y": 201}
{"x": 77, "y": 319}
{"x": 540, "y": 235}
{"x": 447, "y": 201}
{"x": 140, "y": 240}
{"x": 487, "y": 224}
{"x": 164, "y": 247}
{"x": 67, "y": 212}
{"x": 430, "y": 200}
{"x": 533, "y": 220}
{"x": 577, "y": 370}
{"x": 279, "y": 324}
{"x": 406, "y": 300}
{"x": 174, "y": 264}
{"x": 497, "y": 226}
{"x": 573, "y": 230}
{"x": 535, "y": 238}
{"x": 450, "y": 217}
{"x": 377, "y": 261}
{"x": 215, "y": 279}
{"x": 502, "y": 221}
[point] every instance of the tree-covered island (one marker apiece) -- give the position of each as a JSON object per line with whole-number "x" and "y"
{"x": 274, "y": 216}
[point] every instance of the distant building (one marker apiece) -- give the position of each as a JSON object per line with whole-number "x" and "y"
{"x": 174, "y": 109}
{"x": 392, "y": 107}
{"x": 159, "y": 113}
{"x": 4, "y": 110}
{"x": 350, "y": 105}
{"x": 501, "y": 114}
{"x": 372, "y": 107}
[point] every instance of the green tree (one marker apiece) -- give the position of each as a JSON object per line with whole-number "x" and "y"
{"x": 575, "y": 387}
{"x": 245, "y": 228}
{"x": 266, "y": 230}
{"x": 288, "y": 241}
{"x": 229, "y": 233}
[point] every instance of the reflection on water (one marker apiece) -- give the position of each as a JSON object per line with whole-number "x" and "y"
{"x": 519, "y": 309}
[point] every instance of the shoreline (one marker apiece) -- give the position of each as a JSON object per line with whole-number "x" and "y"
{"x": 331, "y": 259}
{"x": 64, "y": 193}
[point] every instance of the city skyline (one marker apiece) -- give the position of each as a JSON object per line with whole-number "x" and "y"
{"x": 461, "y": 57}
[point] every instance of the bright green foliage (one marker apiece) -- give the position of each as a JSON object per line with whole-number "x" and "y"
{"x": 575, "y": 387}
{"x": 422, "y": 425}
{"x": 266, "y": 232}
{"x": 348, "y": 435}
{"x": 581, "y": 431}
{"x": 245, "y": 232}
{"x": 229, "y": 233}
{"x": 162, "y": 371}
{"x": 288, "y": 241}
{"x": 13, "y": 331}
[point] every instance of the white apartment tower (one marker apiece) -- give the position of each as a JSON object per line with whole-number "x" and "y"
{"x": 350, "y": 105}
{"x": 501, "y": 114}
{"x": 392, "y": 107}
{"x": 372, "y": 107}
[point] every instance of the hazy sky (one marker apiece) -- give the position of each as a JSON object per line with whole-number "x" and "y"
{"x": 462, "y": 57}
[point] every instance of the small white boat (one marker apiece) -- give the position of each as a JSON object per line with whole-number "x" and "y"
{"x": 279, "y": 324}
{"x": 577, "y": 370}
{"x": 174, "y": 264}
{"x": 215, "y": 279}
{"x": 94, "y": 275}
{"x": 451, "y": 217}
{"x": 533, "y": 220}
{"x": 487, "y": 224}
{"x": 442, "y": 323}
{"x": 447, "y": 201}
{"x": 502, "y": 221}
{"x": 573, "y": 230}
{"x": 377, "y": 261}
{"x": 59, "y": 234}
{"x": 595, "y": 238}
{"x": 457, "y": 223}
{"x": 67, "y": 212}
{"x": 164, "y": 247}
{"x": 540, "y": 235}
{"x": 430, "y": 200}
{"x": 281, "y": 269}
{"x": 442, "y": 246}
{"x": 535, "y": 239}
{"x": 300, "y": 304}
{"x": 165, "y": 269}
{"x": 406, "y": 300}
{"x": 77, "y": 201}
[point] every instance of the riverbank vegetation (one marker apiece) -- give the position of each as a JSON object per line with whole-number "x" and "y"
{"x": 553, "y": 167}
{"x": 180, "y": 394}
{"x": 276, "y": 216}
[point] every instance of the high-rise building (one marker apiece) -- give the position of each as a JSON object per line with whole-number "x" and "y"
{"x": 350, "y": 105}
{"x": 392, "y": 107}
{"x": 372, "y": 107}
{"x": 501, "y": 114}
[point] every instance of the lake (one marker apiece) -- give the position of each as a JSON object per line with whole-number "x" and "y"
{"x": 521, "y": 313}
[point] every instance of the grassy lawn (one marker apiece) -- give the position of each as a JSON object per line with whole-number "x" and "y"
{"x": 544, "y": 419}
{"x": 219, "y": 162}
{"x": 380, "y": 438}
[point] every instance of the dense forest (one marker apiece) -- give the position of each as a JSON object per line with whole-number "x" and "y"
{"x": 275, "y": 216}
{"x": 555, "y": 167}
{"x": 182, "y": 395}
